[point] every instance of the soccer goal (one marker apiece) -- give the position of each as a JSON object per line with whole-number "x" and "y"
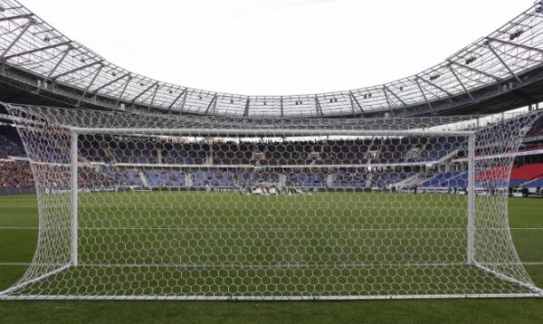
{"x": 142, "y": 206}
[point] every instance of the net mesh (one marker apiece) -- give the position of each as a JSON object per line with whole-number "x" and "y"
{"x": 180, "y": 207}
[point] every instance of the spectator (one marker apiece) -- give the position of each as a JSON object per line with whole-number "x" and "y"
{"x": 16, "y": 175}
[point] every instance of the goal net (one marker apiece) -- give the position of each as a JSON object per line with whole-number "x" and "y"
{"x": 149, "y": 206}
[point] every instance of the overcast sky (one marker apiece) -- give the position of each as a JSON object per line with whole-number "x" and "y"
{"x": 276, "y": 47}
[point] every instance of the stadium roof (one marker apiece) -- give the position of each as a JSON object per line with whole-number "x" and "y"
{"x": 501, "y": 71}
{"x": 116, "y": 122}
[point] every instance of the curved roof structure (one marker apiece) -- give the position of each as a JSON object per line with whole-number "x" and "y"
{"x": 504, "y": 67}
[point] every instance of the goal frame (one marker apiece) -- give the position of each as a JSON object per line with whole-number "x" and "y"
{"x": 75, "y": 132}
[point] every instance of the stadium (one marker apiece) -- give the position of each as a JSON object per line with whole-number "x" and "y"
{"x": 427, "y": 187}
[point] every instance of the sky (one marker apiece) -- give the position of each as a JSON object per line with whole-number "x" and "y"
{"x": 276, "y": 47}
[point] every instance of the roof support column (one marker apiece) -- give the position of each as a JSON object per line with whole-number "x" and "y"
{"x": 66, "y": 51}
{"x": 461, "y": 83}
{"x": 282, "y": 108}
{"x": 182, "y": 106}
{"x": 154, "y": 96}
{"x": 122, "y": 91}
{"x": 212, "y": 105}
{"x": 424, "y": 95}
{"x": 318, "y": 107}
{"x": 388, "y": 102}
{"x": 89, "y": 85}
{"x": 144, "y": 91}
{"x": 247, "y": 104}
{"x": 397, "y": 97}
{"x": 176, "y": 99}
{"x": 353, "y": 99}
{"x": 352, "y": 103}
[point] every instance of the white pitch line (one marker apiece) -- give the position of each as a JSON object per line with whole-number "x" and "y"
{"x": 270, "y": 228}
{"x": 19, "y": 206}
{"x": 4, "y": 264}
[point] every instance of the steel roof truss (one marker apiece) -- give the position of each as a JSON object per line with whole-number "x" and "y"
{"x": 503, "y": 62}
{"x": 528, "y": 48}
{"x": 40, "y": 49}
{"x": 111, "y": 82}
{"x": 75, "y": 70}
{"x": 10, "y": 46}
{"x": 435, "y": 86}
{"x": 476, "y": 70}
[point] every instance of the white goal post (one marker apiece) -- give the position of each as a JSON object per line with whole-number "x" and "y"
{"x": 164, "y": 207}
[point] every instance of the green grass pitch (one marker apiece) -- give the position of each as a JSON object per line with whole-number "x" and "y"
{"x": 267, "y": 221}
